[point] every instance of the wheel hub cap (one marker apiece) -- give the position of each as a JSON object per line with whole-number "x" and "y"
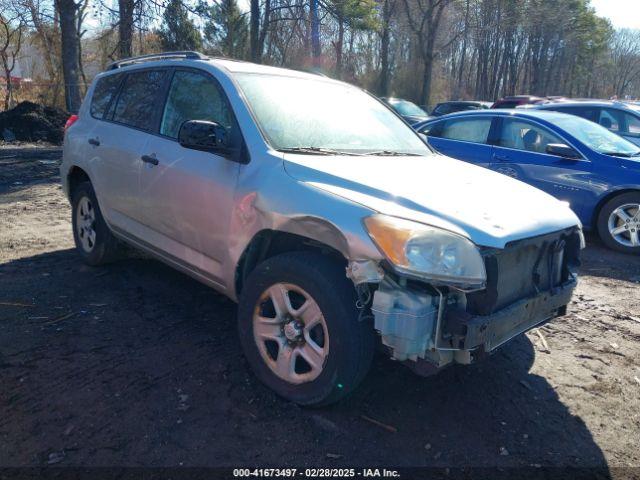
{"x": 293, "y": 331}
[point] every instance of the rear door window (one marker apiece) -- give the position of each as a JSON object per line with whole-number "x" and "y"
{"x": 475, "y": 130}
{"x": 193, "y": 96}
{"x": 104, "y": 92}
{"x": 139, "y": 98}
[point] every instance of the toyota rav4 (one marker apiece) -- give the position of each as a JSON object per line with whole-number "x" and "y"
{"x": 320, "y": 211}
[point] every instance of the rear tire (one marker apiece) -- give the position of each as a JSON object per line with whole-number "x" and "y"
{"x": 277, "y": 342}
{"x": 94, "y": 241}
{"x": 619, "y": 223}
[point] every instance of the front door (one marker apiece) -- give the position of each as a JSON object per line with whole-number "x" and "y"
{"x": 623, "y": 123}
{"x": 520, "y": 152}
{"x": 188, "y": 194}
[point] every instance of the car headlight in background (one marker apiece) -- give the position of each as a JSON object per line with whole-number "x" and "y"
{"x": 428, "y": 252}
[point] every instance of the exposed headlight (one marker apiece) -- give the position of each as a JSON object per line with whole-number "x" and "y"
{"x": 428, "y": 252}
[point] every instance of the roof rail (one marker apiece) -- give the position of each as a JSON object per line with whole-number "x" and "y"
{"x": 188, "y": 55}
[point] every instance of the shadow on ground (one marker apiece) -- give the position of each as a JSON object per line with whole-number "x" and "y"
{"x": 135, "y": 364}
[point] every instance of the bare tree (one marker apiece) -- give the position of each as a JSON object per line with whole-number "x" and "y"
{"x": 68, "y": 11}
{"x": 258, "y": 28}
{"x": 625, "y": 56}
{"x": 11, "y": 31}
{"x": 423, "y": 18}
{"x": 388, "y": 8}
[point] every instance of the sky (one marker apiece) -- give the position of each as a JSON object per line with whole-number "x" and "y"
{"x": 622, "y": 13}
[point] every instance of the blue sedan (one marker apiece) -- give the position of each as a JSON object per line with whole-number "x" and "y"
{"x": 571, "y": 158}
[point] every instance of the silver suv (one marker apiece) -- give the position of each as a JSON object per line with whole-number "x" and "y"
{"x": 320, "y": 211}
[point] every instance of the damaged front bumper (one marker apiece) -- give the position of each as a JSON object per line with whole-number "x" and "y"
{"x": 488, "y": 332}
{"x": 429, "y": 332}
{"x": 429, "y": 326}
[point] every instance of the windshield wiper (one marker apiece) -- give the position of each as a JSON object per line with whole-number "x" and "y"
{"x": 315, "y": 151}
{"x": 392, "y": 153}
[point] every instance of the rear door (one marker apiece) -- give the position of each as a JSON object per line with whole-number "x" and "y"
{"x": 464, "y": 138}
{"x": 120, "y": 138}
{"x": 520, "y": 152}
{"x": 188, "y": 194}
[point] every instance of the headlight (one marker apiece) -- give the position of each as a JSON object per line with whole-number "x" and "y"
{"x": 428, "y": 252}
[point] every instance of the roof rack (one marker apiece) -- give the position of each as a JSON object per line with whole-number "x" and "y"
{"x": 188, "y": 55}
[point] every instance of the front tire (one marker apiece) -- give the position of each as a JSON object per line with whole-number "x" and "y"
{"x": 299, "y": 328}
{"x": 619, "y": 223}
{"x": 94, "y": 241}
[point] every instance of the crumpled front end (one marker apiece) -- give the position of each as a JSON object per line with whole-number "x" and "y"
{"x": 529, "y": 282}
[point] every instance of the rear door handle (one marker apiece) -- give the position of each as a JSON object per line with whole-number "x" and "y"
{"x": 149, "y": 159}
{"x": 94, "y": 141}
{"x": 501, "y": 158}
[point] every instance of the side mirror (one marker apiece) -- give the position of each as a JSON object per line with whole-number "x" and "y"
{"x": 203, "y": 135}
{"x": 562, "y": 150}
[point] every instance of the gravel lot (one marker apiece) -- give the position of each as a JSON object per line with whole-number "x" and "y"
{"x": 135, "y": 364}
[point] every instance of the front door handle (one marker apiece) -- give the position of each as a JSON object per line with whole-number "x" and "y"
{"x": 149, "y": 159}
{"x": 94, "y": 141}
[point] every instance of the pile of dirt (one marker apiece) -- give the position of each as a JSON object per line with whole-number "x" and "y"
{"x": 32, "y": 122}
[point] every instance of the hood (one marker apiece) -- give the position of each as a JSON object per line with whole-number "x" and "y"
{"x": 489, "y": 208}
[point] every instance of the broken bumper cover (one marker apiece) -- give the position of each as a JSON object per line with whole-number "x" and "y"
{"x": 485, "y": 333}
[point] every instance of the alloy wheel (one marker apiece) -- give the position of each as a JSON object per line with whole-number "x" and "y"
{"x": 85, "y": 224}
{"x": 624, "y": 225}
{"x": 291, "y": 333}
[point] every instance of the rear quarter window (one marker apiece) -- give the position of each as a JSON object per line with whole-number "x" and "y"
{"x": 105, "y": 90}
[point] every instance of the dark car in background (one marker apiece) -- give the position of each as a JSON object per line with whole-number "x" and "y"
{"x": 407, "y": 110}
{"x": 518, "y": 100}
{"x": 622, "y": 118}
{"x": 596, "y": 171}
{"x": 444, "y": 108}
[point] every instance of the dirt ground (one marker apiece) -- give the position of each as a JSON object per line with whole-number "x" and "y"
{"x": 135, "y": 364}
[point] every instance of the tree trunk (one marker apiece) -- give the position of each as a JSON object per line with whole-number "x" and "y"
{"x": 385, "y": 40}
{"x": 70, "y": 64}
{"x": 125, "y": 27}
{"x": 315, "y": 33}
{"x": 339, "y": 47}
{"x": 9, "y": 87}
{"x": 426, "y": 81}
{"x": 254, "y": 32}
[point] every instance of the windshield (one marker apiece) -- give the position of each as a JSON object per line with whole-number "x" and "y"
{"x": 597, "y": 137}
{"x": 405, "y": 107}
{"x": 325, "y": 117}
